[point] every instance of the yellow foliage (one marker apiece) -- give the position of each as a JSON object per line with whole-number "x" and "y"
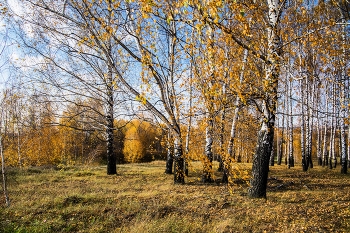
{"x": 133, "y": 150}
{"x": 140, "y": 139}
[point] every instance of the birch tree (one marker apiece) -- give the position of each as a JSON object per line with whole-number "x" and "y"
{"x": 2, "y": 133}
{"x": 107, "y": 34}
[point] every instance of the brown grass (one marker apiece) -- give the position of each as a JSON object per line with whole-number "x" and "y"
{"x": 141, "y": 198}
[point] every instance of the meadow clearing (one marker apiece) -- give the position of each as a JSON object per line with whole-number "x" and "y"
{"x": 141, "y": 198}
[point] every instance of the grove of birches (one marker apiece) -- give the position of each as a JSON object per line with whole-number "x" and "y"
{"x": 264, "y": 82}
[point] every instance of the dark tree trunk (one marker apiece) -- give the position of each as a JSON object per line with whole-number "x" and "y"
{"x": 319, "y": 136}
{"x": 169, "y": 162}
{"x": 344, "y": 166}
{"x": 272, "y": 157}
{"x": 186, "y": 167}
{"x": 179, "y": 176}
{"x": 221, "y": 164}
{"x": 221, "y": 138}
{"x": 320, "y": 162}
{"x": 279, "y": 146}
{"x": 170, "y": 157}
{"x": 348, "y": 142}
{"x": 290, "y": 128}
{"x": 207, "y": 167}
{"x": 279, "y": 149}
{"x": 111, "y": 156}
{"x": 261, "y": 158}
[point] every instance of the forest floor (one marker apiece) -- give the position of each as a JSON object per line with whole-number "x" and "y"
{"x": 141, "y": 198}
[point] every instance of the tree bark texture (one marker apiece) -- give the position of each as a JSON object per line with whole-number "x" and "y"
{"x": 290, "y": 126}
{"x": 260, "y": 167}
{"x": 324, "y": 150}
{"x": 111, "y": 156}
{"x": 208, "y": 150}
{"x": 280, "y": 156}
{"x": 343, "y": 157}
{"x": 3, "y": 171}
{"x": 179, "y": 176}
{"x": 302, "y": 130}
{"x": 333, "y": 131}
{"x": 221, "y": 141}
{"x": 170, "y": 157}
{"x": 261, "y": 158}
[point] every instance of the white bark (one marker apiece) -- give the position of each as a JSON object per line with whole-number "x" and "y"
{"x": 209, "y": 102}
{"x": 319, "y": 132}
{"x": 290, "y": 139}
{"x": 3, "y": 169}
{"x": 208, "y": 150}
{"x": 236, "y": 111}
{"x": 343, "y": 157}
{"x": 333, "y": 129}
{"x": 311, "y": 108}
{"x": 324, "y": 150}
{"x": 302, "y": 128}
{"x": 261, "y": 158}
{"x": 281, "y": 149}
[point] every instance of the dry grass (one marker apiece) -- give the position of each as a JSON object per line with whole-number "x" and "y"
{"x": 143, "y": 199}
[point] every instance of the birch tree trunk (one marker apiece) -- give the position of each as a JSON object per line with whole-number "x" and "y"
{"x": 302, "y": 130}
{"x": 260, "y": 168}
{"x": 170, "y": 157}
{"x": 3, "y": 169}
{"x": 272, "y": 157}
{"x": 343, "y": 157}
{"x": 278, "y": 143}
{"x": 111, "y": 156}
{"x": 187, "y": 143}
{"x": 307, "y": 125}
{"x": 348, "y": 161}
{"x": 312, "y": 106}
{"x": 348, "y": 141}
{"x": 208, "y": 150}
{"x": 221, "y": 138}
{"x": 333, "y": 130}
{"x": 280, "y": 155}
{"x": 231, "y": 142}
{"x": 290, "y": 138}
{"x": 110, "y": 83}
{"x": 17, "y": 110}
{"x": 319, "y": 133}
{"x": 324, "y": 150}
{"x": 179, "y": 176}
{"x": 209, "y": 102}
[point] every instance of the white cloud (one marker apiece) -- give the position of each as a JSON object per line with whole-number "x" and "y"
{"x": 26, "y": 62}
{"x": 17, "y": 7}
{"x": 22, "y": 11}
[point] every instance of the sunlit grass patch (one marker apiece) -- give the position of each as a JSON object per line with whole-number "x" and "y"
{"x": 141, "y": 198}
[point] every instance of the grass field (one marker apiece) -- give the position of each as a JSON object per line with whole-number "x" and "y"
{"x": 141, "y": 198}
